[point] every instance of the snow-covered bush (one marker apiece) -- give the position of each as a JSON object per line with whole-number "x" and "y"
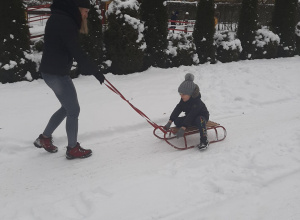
{"x": 266, "y": 44}
{"x": 15, "y": 61}
{"x": 154, "y": 15}
{"x": 283, "y": 24}
{"x": 247, "y": 27}
{"x": 181, "y": 50}
{"x": 124, "y": 39}
{"x": 204, "y": 31}
{"x": 38, "y": 45}
{"x": 92, "y": 43}
{"x": 228, "y": 48}
{"x": 297, "y": 31}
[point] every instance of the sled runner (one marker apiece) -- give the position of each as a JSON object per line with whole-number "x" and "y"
{"x": 170, "y": 134}
{"x": 162, "y": 134}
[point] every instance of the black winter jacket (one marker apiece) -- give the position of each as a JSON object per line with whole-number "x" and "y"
{"x": 193, "y": 107}
{"x": 62, "y": 41}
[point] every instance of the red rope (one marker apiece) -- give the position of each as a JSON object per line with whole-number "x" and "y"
{"x": 112, "y": 88}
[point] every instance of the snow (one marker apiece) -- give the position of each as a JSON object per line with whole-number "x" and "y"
{"x": 184, "y": 2}
{"x": 37, "y": 27}
{"x": 265, "y": 36}
{"x": 28, "y": 76}
{"x": 116, "y": 8}
{"x": 227, "y": 41}
{"x": 35, "y": 57}
{"x": 183, "y": 42}
{"x": 253, "y": 174}
{"x": 297, "y": 30}
{"x": 119, "y": 4}
{"x": 138, "y": 25}
{"x": 11, "y": 65}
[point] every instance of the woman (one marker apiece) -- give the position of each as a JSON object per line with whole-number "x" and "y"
{"x": 68, "y": 18}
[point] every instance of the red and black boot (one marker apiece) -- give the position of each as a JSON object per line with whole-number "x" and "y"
{"x": 77, "y": 152}
{"x": 46, "y": 143}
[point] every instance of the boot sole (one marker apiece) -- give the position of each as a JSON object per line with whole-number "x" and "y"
{"x": 82, "y": 157}
{"x": 39, "y": 146}
{"x": 203, "y": 148}
{"x": 36, "y": 145}
{"x": 53, "y": 151}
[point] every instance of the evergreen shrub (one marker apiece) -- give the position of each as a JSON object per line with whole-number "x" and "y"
{"x": 181, "y": 50}
{"x": 15, "y": 53}
{"x": 247, "y": 27}
{"x": 204, "y": 31}
{"x": 266, "y": 44}
{"x": 228, "y": 49}
{"x": 75, "y": 71}
{"x": 297, "y": 31}
{"x": 38, "y": 45}
{"x": 92, "y": 43}
{"x": 283, "y": 24}
{"x": 124, "y": 39}
{"x": 155, "y": 18}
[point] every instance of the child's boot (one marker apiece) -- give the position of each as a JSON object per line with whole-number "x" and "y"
{"x": 203, "y": 144}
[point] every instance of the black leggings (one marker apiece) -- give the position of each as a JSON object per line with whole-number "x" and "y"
{"x": 65, "y": 92}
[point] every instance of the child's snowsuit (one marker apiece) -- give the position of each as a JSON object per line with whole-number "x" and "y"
{"x": 196, "y": 114}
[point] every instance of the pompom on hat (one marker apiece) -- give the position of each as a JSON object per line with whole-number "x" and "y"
{"x": 187, "y": 87}
{"x": 83, "y": 3}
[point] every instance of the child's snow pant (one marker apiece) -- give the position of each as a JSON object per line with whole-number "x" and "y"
{"x": 199, "y": 122}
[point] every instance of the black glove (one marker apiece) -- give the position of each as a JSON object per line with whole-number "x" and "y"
{"x": 167, "y": 126}
{"x": 180, "y": 133}
{"x": 100, "y": 77}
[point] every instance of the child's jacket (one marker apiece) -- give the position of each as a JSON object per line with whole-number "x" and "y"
{"x": 193, "y": 107}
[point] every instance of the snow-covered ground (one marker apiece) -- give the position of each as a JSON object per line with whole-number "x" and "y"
{"x": 253, "y": 174}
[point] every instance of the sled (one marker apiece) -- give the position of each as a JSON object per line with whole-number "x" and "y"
{"x": 171, "y": 134}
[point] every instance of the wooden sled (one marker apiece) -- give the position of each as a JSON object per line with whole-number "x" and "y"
{"x": 170, "y": 134}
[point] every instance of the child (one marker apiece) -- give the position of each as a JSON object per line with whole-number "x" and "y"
{"x": 196, "y": 113}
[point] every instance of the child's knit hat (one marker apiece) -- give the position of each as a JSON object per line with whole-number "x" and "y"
{"x": 187, "y": 87}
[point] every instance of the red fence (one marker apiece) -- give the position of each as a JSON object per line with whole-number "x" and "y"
{"x": 183, "y": 25}
{"x": 42, "y": 12}
{"x": 37, "y": 13}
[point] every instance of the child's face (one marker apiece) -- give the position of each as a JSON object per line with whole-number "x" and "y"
{"x": 184, "y": 97}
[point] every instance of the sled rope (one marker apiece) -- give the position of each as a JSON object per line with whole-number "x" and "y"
{"x": 112, "y": 88}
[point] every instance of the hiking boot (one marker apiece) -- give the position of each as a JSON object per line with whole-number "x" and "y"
{"x": 77, "y": 152}
{"x": 46, "y": 143}
{"x": 203, "y": 145}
